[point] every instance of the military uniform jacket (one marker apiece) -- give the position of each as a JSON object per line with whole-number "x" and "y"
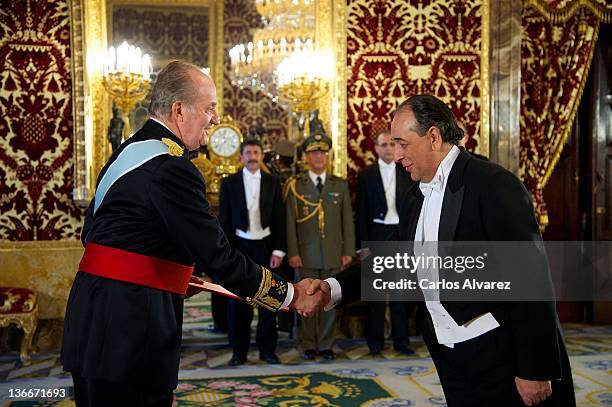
{"x": 129, "y": 333}
{"x": 304, "y": 237}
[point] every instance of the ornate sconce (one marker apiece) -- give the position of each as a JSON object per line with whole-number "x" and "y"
{"x": 126, "y": 78}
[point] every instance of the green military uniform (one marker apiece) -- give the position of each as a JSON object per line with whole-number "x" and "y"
{"x": 320, "y": 230}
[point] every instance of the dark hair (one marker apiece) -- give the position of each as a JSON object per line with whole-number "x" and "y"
{"x": 380, "y": 133}
{"x": 250, "y": 142}
{"x": 429, "y": 111}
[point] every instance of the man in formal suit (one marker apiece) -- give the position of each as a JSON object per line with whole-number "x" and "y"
{"x": 147, "y": 225}
{"x": 252, "y": 214}
{"x": 320, "y": 236}
{"x": 381, "y": 199}
{"x": 486, "y": 353}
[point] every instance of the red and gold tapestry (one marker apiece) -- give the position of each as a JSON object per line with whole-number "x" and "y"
{"x": 248, "y": 108}
{"x": 36, "y": 144}
{"x": 401, "y": 48}
{"x": 556, "y": 51}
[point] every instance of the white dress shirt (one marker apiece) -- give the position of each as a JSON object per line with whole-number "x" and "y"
{"x": 388, "y": 175}
{"x": 448, "y": 332}
{"x": 313, "y": 177}
{"x": 252, "y": 188}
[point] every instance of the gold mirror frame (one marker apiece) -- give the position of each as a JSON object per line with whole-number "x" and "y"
{"x": 93, "y": 105}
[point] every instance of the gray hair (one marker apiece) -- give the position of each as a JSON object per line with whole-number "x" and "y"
{"x": 174, "y": 83}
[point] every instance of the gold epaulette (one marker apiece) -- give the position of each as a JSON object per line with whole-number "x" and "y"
{"x": 271, "y": 292}
{"x": 174, "y": 149}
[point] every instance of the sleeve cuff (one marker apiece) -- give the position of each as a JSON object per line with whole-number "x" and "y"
{"x": 289, "y": 296}
{"x": 336, "y": 293}
{"x": 278, "y": 253}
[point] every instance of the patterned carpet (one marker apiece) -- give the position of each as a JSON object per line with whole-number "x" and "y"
{"x": 353, "y": 379}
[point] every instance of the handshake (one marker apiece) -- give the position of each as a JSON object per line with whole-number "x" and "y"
{"x": 310, "y": 296}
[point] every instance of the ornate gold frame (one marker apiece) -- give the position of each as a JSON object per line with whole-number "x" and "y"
{"x": 330, "y": 34}
{"x": 91, "y": 146}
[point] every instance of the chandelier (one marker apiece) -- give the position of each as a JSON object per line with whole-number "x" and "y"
{"x": 301, "y": 82}
{"x": 289, "y": 27}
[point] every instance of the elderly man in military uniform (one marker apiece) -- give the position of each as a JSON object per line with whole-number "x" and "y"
{"x": 320, "y": 236}
{"x": 147, "y": 225}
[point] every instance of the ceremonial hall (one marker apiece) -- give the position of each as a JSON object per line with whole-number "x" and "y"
{"x": 205, "y": 202}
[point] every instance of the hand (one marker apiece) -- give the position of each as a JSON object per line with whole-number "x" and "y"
{"x": 533, "y": 392}
{"x": 305, "y": 304}
{"x": 275, "y": 261}
{"x": 320, "y": 285}
{"x": 346, "y": 260}
{"x": 191, "y": 290}
{"x": 296, "y": 262}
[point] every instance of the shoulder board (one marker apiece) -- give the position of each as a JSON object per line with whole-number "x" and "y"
{"x": 174, "y": 149}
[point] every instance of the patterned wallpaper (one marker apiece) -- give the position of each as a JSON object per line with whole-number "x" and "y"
{"x": 164, "y": 33}
{"x": 398, "y": 48}
{"x": 246, "y": 107}
{"x": 36, "y": 165}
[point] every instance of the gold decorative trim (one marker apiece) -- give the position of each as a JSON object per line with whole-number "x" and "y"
{"x": 96, "y": 104}
{"x": 559, "y": 16}
{"x": 8, "y": 246}
{"x": 262, "y": 297}
{"x": 559, "y": 147}
{"x": 215, "y": 25}
{"x": 330, "y": 34}
{"x": 485, "y": 82}
{"x": 81, "y": 181}
{"x": 26, "y": 321}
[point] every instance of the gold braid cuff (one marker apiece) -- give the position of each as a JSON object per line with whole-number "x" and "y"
{"x": 318, "y": 208}
{"x": 271, "y": 292}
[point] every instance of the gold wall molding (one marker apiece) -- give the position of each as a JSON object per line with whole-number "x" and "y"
{"x": 330, "y": 34}
{"x": 485, "y": 80}
{"x": 97, "y": 105}
{"x": 557, "y": 15}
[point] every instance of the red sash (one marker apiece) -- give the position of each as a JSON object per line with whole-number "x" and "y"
{"x": 116, "y": 264}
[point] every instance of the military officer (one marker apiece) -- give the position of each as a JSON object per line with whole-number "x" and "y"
{"x": 320, "y": 236}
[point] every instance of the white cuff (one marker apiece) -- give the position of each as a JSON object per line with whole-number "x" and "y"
{"x": 336, "y": 293}
{"x": 278, "y": 253}
{"x": 289, "y": 296}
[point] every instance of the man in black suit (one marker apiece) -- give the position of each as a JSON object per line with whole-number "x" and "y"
{"x": 381, "y": 199}
{"x": 516, "y": 355}
{"x": 252, "y": 214}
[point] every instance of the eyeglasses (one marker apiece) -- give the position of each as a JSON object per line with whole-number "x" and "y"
{"x": 385, "y": 145}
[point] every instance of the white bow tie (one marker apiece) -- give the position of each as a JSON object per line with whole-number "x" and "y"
{"x": 433, "y": 185}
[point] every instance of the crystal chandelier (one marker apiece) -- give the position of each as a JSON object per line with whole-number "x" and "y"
{"x": 289, "y": 27}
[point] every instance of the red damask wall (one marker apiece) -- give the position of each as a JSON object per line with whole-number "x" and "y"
{"x": 399, "y": 48}
{"x": 36, "y": 165}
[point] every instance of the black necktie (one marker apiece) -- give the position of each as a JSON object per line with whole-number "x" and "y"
{"x": 319, "y": 184}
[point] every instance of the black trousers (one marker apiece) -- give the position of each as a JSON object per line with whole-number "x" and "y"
{"x": 375, "y": 310}
{"x": 375, "y": 323}
{"x": 240, "y": 315}
{"x": 94, "y": 393}
{"x": 481, "y": 371}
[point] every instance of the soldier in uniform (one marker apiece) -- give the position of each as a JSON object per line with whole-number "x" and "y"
{"x": 147, "y": 225}
{"x": 320, "y": 236}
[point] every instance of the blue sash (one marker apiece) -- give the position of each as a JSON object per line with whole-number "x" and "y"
{"x": 132, "y": 157}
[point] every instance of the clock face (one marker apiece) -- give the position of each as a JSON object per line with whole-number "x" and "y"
{"x": 224, "y": 141}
